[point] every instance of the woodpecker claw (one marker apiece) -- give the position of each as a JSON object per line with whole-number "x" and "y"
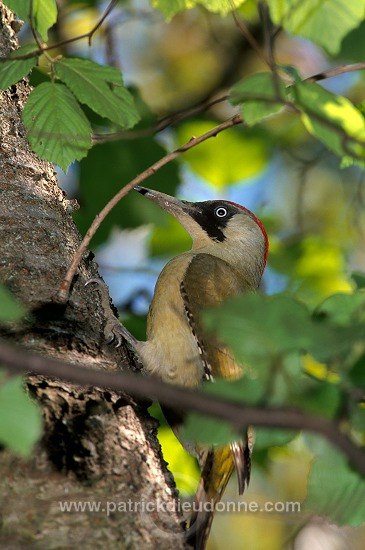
{"x": 120, "y": 333}
{"x": 114, "y": 331}
{"x": 110, "y": 340}
{"x": 97, "y": 280}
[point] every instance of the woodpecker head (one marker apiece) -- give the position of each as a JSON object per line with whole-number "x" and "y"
{"x": 221, "y": 228}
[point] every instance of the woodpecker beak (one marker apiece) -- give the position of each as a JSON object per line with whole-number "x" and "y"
{"x": 181, "y": 210}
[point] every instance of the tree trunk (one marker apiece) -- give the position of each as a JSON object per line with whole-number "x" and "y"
{"x": 98, "y": 446}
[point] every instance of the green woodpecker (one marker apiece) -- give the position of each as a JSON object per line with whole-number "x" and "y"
{"x": 228, "y": 256}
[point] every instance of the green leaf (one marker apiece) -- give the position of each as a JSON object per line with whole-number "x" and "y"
{"x": 334, "y": 490}
{"x": 271, "y": 331}
{"x": 359, "y": 279}
{"x": 284, "y": 380}
{"x": 247, "y": 390}
{"x": 44, "y": 13}
{"x": 353, "y": 45}
{"x": 259, "y": 328}
{"x": 290, "y": 73}
{"x": 12, "y": 70}
{"x": 342, "y": 308}
{"x": 205, "y": 429}
{"x": 339, "y": 326}
{"x": 45, "y": 16}
{"x": 217, "y": 6}
{"x": 272, "y": 437}
{"x": 10, "y": 309}
{"x": 230, "y": 151}
{"x": 322, "y": 399}
{"x": 332, "y": 119}
{"x": 57, "y": 128}
{"x": 170, "y": 7}
{"x": 260, "y": 95}
{"x": 332, "y": 343}
{"x": 357, "y": 373}
{"x": 357, "y": 417}
{"x": 19, "y": 7}
{"x": 325, "y": 22}
{"x": 99, "y": 87}
{"x": 182, "y": 464}
{"x": 20, "y": 418}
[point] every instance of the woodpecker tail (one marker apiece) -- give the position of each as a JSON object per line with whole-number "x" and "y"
{"x": 217, "y": 466}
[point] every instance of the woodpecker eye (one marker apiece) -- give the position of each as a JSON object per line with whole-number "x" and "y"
{"x": 221, "y": 212}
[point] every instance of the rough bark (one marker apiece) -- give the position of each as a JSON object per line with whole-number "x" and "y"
{"x": 98, "y": 445}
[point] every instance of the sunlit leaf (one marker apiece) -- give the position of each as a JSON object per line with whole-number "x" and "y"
{"x": 57, "y": 128}
{"x": 260, "y": 95}
{"x": 170, "y": 7}
{"x": 321, "y": 267}
{"x": 226, "y": 159}
{"x": 44, "y": 13}
{"x": 12, "y": 70}
{"x": 218, "y": 6}
{"x": 45, "y": 16}
{"x": 20, "y": 418}
{"x": 180, "y": 462}
{"x": 319, "y": 370}
{"x": 99, "y": 87}
{"x": 332, "y": 119}
{"x": 325, "y": 22}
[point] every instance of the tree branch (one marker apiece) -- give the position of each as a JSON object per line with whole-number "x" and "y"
{"x": 240, "y": 416}
{"x": 335, "y": 71}
{"x": 248, "y": 35}
{"x": 89, "y": 35}
{"x": 63, "y": 292}
{"x": 162, "y": 123}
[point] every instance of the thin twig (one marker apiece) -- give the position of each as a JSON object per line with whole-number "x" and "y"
{"x": 177, "y": 117}
{"x": 162, "y": 123}
{"x": 248, "y": 35}
{"x": 269, "y": 46}
{"x": 89, "y": 35}
{"x": 335, "y": 71}
{"x": 33, "y": 31}
{"x": 64, "y": 289}
{"x": 108, "y": 10}
{"x": 266, "y": 25}
{"x": 237, "y": 414}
